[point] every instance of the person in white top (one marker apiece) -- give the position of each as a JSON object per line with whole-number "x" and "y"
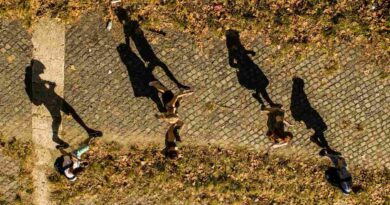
{"x": 69, "y": 164}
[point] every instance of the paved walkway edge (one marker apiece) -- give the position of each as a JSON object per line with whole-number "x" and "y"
{"x": 49, "y": 48}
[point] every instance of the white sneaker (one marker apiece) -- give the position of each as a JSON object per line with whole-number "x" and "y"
{"x": 277, "y": 145}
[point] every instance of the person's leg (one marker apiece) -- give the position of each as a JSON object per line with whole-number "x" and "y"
{"x": 257, "y": 97}
{"x": 170, "y": 145}
{"x": 68, "y": 109}
{"x": 155, "y": 98}
{"x": 159, "y": 87}
{"x": 177, "y": 97}
{"x": 178, "y": 126}
{"x": 266, "y": 97}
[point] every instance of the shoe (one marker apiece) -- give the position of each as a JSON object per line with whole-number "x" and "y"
{"x": 153, "y": 83}
{"x": 277, "y": 145}
{"x": 346, "y": 188}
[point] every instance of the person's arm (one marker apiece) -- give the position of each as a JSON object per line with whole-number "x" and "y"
{"x": 250, "y": 52}
{"x": 287, "y": 123}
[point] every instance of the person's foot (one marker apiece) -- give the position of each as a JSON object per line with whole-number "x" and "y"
{"x": 95, "y": 133}
{"x": 153, "y": 83}
{"x": 183, "y": 93}
{"x": 280, "y": 144}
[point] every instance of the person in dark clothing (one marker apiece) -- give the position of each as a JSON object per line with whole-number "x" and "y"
{"x": 276, "y": 130}
{"x": 249, "y": 74}
{"x": 172, "y": 137}
{"x": 338, "y": 175}
{"x": 41, "y": 92}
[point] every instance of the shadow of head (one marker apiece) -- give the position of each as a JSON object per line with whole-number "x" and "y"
{"x": 232, "y": 37}
{"x": 123, "y": 49}
{"x": 232, "y": 33}
{"x": 36, "y": 67}
{"x": 122, "y": 14}
{"x": 298, "y": 82}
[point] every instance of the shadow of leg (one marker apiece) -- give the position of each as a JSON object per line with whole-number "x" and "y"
{"x": 157, "y": 101}
{"x": 68, "y": 109}
{"x": 266, "y": 97}
{"x": 56, "y": 117}
{"x": 170, "y": 75}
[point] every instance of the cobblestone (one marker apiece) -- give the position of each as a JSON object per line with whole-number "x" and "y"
{"x": 221, "y": 111}
{"x": 15, "y": 108}
{"x": 354, "y": 105}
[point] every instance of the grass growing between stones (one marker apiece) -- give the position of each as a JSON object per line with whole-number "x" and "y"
{"x": 208, "y": 175}
{"x": 20, "y": 153}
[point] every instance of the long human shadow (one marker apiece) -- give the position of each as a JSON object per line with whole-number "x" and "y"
{"x": 302, "y": 110}
{"x": 41, "y": 92}
{"x": 139, "y": 75}
{"x": 132, "y": 30}
{"x": 249, "y": 74}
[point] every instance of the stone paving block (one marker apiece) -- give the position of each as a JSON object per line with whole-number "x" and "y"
{"x": 221, "y": 111}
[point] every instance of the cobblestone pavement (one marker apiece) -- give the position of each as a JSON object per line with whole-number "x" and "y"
{"x": 354, "y": 105}
{"x": 15, "y": 108}
{"x": 15, "y": 55}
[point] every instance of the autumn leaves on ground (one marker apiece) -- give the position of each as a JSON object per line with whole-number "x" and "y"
{"x": 294, "y": 26}
{"x": 203, "y": 175}
{"x": 208, "y": 175}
